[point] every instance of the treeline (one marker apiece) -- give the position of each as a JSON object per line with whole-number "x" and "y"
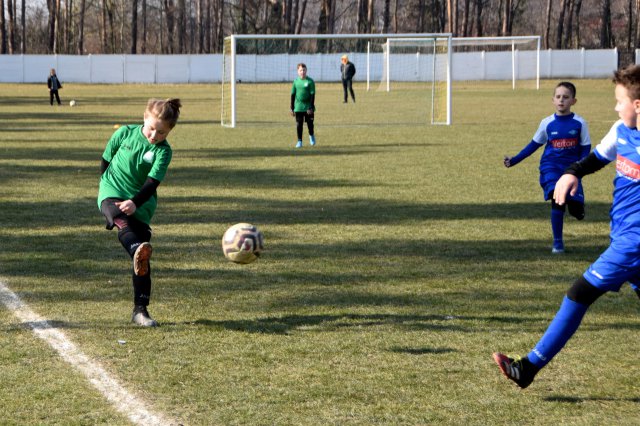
{"x": 199, "y": 26}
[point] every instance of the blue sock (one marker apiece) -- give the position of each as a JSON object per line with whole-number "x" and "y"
{"x": 557, "y": 219}
{"x": 564, "y": 324}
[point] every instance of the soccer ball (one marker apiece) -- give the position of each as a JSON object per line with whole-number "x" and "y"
{"x": 242, "y": 243}
{"x": 72, "y": 103}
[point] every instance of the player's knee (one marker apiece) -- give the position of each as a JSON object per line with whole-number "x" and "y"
{"x": 576, "y": 209}
{"x": 583, "y": 292}
{"x": 556, "y": 206}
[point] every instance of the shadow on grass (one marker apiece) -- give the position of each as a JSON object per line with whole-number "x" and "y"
{"x": 423, "y": 351}
{"x": 289, "y": 323}
{"x": 580, "y": 400}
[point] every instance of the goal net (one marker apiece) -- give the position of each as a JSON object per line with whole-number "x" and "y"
{"x": 515, "y": 60}
{"x": 258, "y": 71}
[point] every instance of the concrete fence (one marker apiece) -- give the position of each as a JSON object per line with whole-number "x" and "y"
{"x": 151, "y": 69}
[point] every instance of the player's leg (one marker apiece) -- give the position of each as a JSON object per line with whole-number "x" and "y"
{"x": 57, "y": 97}
{"x": 135, "y": 237}
{"x": 576, "y": 203}
{"x": 312, "y": 136}
{"x": 565, "y": 323}
{"x": 51, "y": 97}
{"x": 344, "y": 90}
{"x": 614, "y": 267}
{"x": 299, "y": 124}
{"x": 353, "y": 95}
{"x": 557, "y": 225}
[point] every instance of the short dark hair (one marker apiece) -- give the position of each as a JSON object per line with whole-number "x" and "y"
{"x": 568, "y": 85}
{"x": 629, "y": 77}
{"x": 301, "y": 65}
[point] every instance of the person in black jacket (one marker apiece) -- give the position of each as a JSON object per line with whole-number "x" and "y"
{"x": 348, "y": 70}
{"x": 53, "y": 84}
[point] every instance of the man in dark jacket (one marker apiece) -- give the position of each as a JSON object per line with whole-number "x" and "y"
{"x": 348, "y": 70}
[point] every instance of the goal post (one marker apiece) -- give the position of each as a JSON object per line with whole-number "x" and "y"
{"x": 421, "y": 59}
{"x": 258, "y": 71}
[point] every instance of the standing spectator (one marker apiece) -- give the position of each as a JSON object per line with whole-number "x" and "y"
{"x": 348, "y": 70}
{"x": 54, "y": 85}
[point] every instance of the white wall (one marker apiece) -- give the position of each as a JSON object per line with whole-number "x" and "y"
{"x": 116, "y": 69}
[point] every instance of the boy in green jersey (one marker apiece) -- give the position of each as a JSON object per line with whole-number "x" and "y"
{"x": 134, "y": 163}
{"x": 303, "y": 96}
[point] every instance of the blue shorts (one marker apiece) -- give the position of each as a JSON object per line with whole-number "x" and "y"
{"x": 548, "y": 183}
{"x": 619, "y": 263}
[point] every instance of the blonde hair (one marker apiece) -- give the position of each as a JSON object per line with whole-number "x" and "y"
{"x": 345, "y": 57}
{"x": 167, "y": 110}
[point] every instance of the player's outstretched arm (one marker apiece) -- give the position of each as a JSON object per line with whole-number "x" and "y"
{"x": 567, "y": 184}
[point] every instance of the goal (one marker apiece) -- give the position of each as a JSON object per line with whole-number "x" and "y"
{"x": 258, "y": 71}
{"x": 514, "y": 59}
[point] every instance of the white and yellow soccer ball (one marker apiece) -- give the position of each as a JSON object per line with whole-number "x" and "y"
{"x": 72, "y": 103}
{"x": 242, "y": 243}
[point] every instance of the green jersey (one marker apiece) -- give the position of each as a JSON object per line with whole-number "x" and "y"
{"x": 303, "y": 90}
{"x": 132, "y": 159}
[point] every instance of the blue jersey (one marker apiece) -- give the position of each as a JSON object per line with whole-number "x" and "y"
{"x": 565, "y": 136}
{"x": 622, "y": 144}
{"x": 567, "y": 141}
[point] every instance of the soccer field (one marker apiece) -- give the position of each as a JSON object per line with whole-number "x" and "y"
{"x": 397, "y": 259}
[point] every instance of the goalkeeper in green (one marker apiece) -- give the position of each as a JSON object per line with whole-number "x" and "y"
{"x": 303, "y": 95}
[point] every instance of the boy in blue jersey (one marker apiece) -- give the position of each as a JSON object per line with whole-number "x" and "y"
{"x": 567, "y": 140}
{"x": 620, "y": 262}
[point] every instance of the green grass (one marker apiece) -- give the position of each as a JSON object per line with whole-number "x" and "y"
{"x": 398, "y": 258}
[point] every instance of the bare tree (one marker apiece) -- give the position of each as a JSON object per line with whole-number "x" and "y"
{"x": 181, "y": 25}
{"x": 386, "y": 16}
{"x": 300, "y": 19}
{"x": 169, "y": 10}
{"x": 479, "y": 7}
{"x": 134, "y": 26}
{"x": 465, "y": 18}
{"x": 80, "y": 45}
{"x": 12, "y": 27}
{"x": 606, "y": 35}
{"x": 23, "y": 39}
{"x": 560, "y": 27}
{"x": 3, "y": 30}
{"x": 143, "y": 42}
{"x": 637, "y": 35}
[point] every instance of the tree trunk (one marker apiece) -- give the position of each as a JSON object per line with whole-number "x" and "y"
{"x": 547, "y": 25}
{"x": 506, "y": 19}
{"x": 80, "y": 42}
{"x": 637, "y": 38}
{"x": 465, "y": 18}
{"x": 560, "y": 30}
{"x": 181, "y": 26}
{"x": 300, "y": 18}
{"x": 421, "y": 16}
{"x": 12, "y": 27}
{"x": 134, "y": 27}
{"x": 568, "y": 32}
{"x": 169, "y": 14}
{"x": 630, "y": 24}
{"x": 23, "y": 25}
{"x": 143, "y": 41}
{"x": 386, "y": 11}
{"x": 606, "y": 37}
{"x": 479, "y": 18}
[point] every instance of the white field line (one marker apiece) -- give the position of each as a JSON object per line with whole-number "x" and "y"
{"x": 125, "y": 402}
